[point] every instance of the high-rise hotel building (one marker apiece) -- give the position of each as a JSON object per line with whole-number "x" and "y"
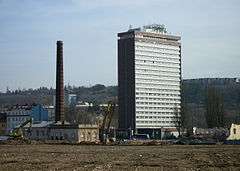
{"x": 149, "y": 79}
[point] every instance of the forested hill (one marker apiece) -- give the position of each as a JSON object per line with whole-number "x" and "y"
{"x": 96, "y": 94}
{"x": 194, "y": 92}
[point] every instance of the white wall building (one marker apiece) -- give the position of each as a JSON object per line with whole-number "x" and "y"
{"x": 16, "y": 117}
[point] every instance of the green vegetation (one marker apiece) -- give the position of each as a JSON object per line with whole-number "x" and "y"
{"x": 214, "y": 108}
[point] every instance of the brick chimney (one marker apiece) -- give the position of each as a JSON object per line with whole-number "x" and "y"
{"x": 59, "y": 103}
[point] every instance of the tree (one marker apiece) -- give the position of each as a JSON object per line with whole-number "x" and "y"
{"x": 97, "y": 87}
{"x": 237, "y": 117}
{"x": 70, "y": 114}
{"x": 74, "y": 115}
{"x": 178, "y": 122}
{"x": 214, "y": 108}
{"x": 85, "y": 117}
{"x": 186, "y": 118}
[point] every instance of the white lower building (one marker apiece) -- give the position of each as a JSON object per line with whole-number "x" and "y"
{"x": 16, "y": 117}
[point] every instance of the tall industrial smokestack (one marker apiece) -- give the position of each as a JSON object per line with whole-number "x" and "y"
{"x": 59, "y": 103}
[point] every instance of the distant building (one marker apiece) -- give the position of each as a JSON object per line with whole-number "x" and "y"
{"x": 69, "y": 99}
{"x": 17, "y": 116}
{"x": 149, "y": 79}
{"x": 83, "y": 105}
{"x": 39, "y": 113}
{"x": 3, "y": 123}
{"x": 237, "y": 80}
{"x": 72, "y": 99}
{"x": 51, "y": 112}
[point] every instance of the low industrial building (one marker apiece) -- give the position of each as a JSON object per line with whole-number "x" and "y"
{"x": 37, "y": 131}
{"x": 73, "y": 133}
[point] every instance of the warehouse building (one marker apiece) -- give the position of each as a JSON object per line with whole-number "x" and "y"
{"x": 67, "y": 132}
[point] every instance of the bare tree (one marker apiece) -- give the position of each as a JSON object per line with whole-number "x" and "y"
{"x": 178, "y": 120}
{"x": 85, "y": 116}
{"x": 186, "y": 118}
{"x": 70, "y": 113}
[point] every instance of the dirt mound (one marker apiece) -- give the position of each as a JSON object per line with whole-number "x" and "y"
{"x": 98, "y": 157}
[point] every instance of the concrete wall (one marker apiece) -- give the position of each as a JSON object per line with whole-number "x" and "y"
{"x": 70, "y": 135}
{"x": 41, "y": 133}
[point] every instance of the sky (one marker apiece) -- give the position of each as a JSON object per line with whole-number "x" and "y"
{"x": 29, "y": 30}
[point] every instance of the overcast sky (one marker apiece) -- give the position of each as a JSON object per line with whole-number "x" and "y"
{"x": 29, "y": 30}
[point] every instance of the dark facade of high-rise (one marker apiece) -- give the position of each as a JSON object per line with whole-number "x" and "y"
{"x": 59, "y": 104}
{"x": 126, "y": 81}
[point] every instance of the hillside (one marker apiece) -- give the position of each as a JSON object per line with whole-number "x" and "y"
{"x": 96, "y": 94}
{"x": 194, "y": 97}
{"x": 194, "y": 90}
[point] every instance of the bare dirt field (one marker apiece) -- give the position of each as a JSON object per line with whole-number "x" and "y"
{"x": 96, "y": 157}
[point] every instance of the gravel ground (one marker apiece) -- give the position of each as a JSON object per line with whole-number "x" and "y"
{"x": 96, "y": 157}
